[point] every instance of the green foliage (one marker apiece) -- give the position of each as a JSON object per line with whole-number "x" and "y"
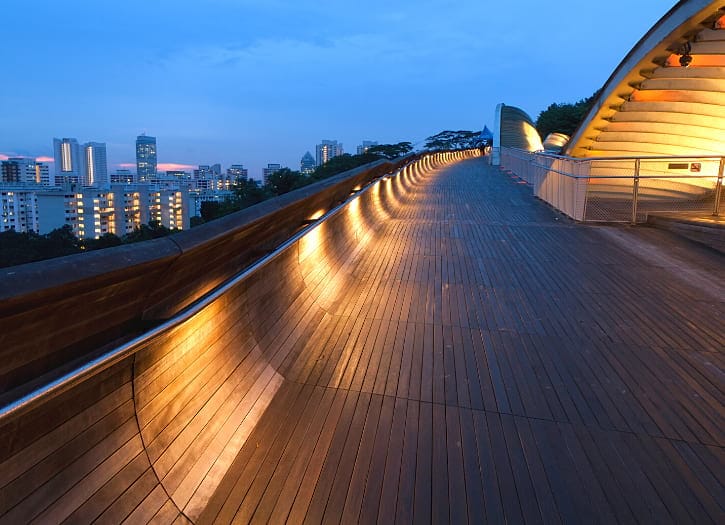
{"x": 563, "y": 117}
{"x": 342, "y": 163}
{"x": 391, "y": 151}
{"x": 152, "y": 230}
{"x": 249, "y": 192}
{"x": 285, "y": 180}
{"x": 107, "y": 240}
{"x": 451, "y": 140}
{"x": 196, "y": 221}
{"x": 211, "y": 210}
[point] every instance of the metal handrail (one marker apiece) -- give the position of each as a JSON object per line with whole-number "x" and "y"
{"x": 631, "y": 157}
{"x": 569, "y": 199}
{"x": 100, "y": 363}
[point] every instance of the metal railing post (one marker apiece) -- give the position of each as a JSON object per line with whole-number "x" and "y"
{"x": 718, "y": 187}
{"x": 635, "y": 191}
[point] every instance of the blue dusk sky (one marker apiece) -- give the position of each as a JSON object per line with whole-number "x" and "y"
{"x": 252, "y": 82}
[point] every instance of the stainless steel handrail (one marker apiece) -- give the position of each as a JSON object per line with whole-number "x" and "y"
{"x": 100, "y": 363}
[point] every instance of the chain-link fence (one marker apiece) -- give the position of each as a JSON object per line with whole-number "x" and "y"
{"x": 621, "y": 189}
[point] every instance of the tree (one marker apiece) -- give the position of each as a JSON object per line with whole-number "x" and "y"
{"x": 284, "y": 180}
{"x": 248, "y": 192}
{"x": 452, "y": 140}
{"x": 107, "y": 240}
{"x": 343, "y": 163}
{"x": 391, "y": 151}
{"x": 152, "y": 230}
{"x": 564, "y": 117}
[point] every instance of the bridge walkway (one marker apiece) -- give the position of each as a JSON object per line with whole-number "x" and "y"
{"x": 492, "y": 360}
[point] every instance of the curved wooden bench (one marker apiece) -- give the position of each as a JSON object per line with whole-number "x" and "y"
{"x": 151, "y": 437}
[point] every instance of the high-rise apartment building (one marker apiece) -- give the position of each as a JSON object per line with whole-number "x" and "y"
{"x": 271, "y": 169}
{"x": 365, "y": 146}
{"x": 18, "y": 209}
{"x": 93, "y": 212}
{"x": 21, "y": 170}
{"x": 237, "y": 172}
{"x": 145, "y": 158}
{"x": 68, "y": 161}
{"x": 326, "y": 150}
{"x": 95, "y": 167}
{"x": 307, "y": 164}
{"x": 122, "y": 176}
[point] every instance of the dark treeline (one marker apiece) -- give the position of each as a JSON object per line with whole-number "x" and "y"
{"x": 20, "y": 248}
{"x": 564, "y": 117}
{"x": 249, "y": 192}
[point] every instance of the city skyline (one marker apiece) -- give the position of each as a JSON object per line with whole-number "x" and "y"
{"x": 386, "y": 73}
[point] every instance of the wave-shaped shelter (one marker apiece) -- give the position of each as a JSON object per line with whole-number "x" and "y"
{"x": 667, "y": 97}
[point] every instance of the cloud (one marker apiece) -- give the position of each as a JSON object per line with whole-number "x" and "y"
{"x": 161, "y": 166}
{"x": 172, "y": 166}
{"x": 3, "y": 156}
{"x": 45, "y": 159}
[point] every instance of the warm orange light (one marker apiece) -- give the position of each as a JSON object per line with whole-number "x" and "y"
{"x": 697, "y": 61}
{"x": 316, "y": 215}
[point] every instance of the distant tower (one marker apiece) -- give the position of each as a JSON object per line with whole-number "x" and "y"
{"x": 145, "y": 158}
{"x": 237, "y": 172}
{"x": 365, "y": 146}
{"x": 96, "y": 165}
{"x": 68, "y": 161}
{"x": 307, "y": 164}
{"x": 271, "y": 169}
{"x": 327, "y": 150}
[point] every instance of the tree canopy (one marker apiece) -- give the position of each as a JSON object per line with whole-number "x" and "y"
{"x": 20, "y": 248}
{"x": 391, "y": 151}
{"x": 451, "y": 140}
{"x": 563, "y": 117}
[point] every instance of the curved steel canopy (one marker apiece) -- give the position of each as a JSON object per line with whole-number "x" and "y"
{"x": 652, "y": 104}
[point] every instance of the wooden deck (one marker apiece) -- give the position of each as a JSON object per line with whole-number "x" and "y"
{"x": 492, "y": 361}
{"x": 446, "y": 348}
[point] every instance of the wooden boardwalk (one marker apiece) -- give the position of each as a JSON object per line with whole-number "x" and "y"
{"x": 492, "y": 362}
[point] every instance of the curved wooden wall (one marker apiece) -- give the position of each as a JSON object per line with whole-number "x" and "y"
{"x": 151, "y": 438}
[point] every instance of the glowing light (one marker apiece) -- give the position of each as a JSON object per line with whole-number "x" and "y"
{"x": 316, "y": 215}
{"x": 91, "y": 168}
{"x": 65, "y": 160}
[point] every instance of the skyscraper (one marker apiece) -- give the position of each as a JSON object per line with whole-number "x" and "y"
{"x": 68, "y": 161}
{"x": 95, "y": 165}
{"x": 145, "y": 158}
{"x": 328, "y": 149}
{"x": 307, "y": 164}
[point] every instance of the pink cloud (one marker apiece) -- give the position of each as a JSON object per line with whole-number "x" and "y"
{"x": 171, "y": 166}
{"x": 3, "y": 156}
{"x": 45, "y": 159}
{"x": 161, "y": 166}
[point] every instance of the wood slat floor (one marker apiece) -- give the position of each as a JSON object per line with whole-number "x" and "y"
{"x": 495, "y": 362}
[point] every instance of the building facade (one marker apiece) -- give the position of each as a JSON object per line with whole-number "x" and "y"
{"x": 21, "y": 170}
{"x": 365, "y": 146}
{"x": 68, "y": 161}
{"x": 18, "y": 209}
{"x": 237, "y": 172}
{"x": 307, "y": 164}
{"x": 95, "y": 172}
{"x": 271, "y": 169}
{"x": 327, "y": 150}
{"x": 145, "y": 158}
